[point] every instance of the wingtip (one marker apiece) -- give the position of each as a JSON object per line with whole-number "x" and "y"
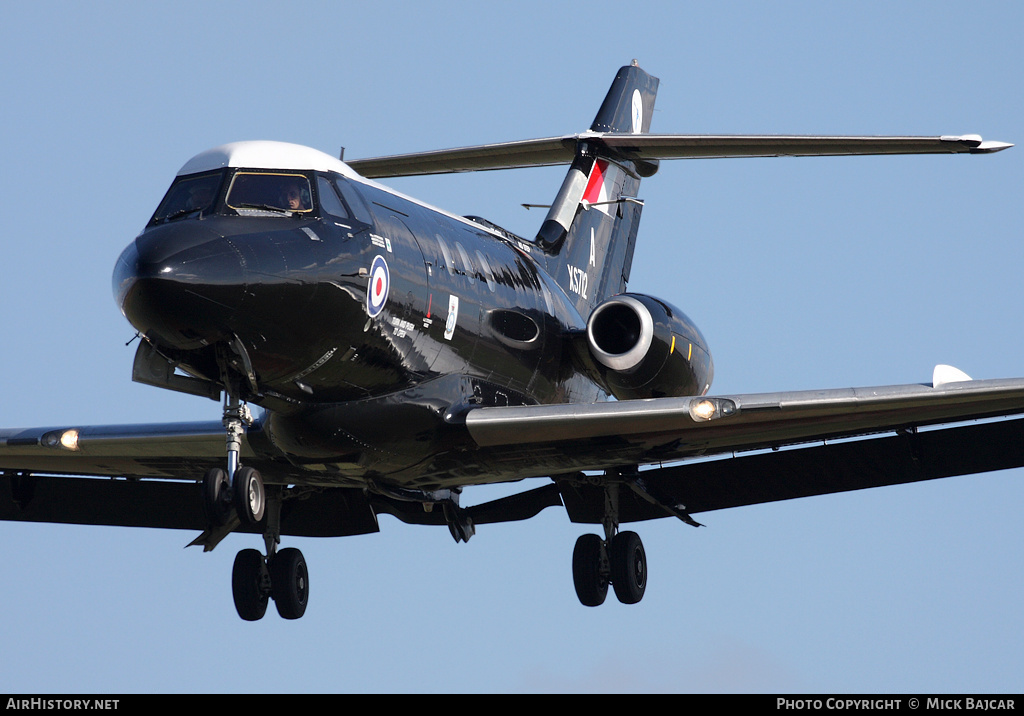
{"x": 991, "y": 147}
{"x": 975, "y": 144}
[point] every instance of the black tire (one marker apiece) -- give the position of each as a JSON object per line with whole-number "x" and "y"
{"x": 249, "y": 496}
{"x": 591, "y": 585}
{"x": 290, "y": 579}
{"x": 629, "y": 567}
{"x": 250, "y": 585}
{"x": 216, "y": 489}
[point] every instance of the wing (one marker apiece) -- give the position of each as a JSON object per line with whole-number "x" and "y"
{"x": 561, "y": 150}
{"x": 645, "y": 432}
{"x": 147, "y": 476}
{"x": 152, "y": 473}
{"x": 169, "y": 451}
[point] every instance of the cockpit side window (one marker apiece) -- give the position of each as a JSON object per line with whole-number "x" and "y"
{"x": 188, "y": 195}
{"x": 354, "y": 201}
{"x": 254, "y": 193}
{"x": 329, "y": 201}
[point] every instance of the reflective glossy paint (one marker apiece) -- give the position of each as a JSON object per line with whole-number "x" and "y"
{"x": 401, "y": 353}
{"x": 330, "y": 311}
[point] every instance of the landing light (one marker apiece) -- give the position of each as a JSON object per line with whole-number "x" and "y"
{"x": 711, "y": 408}
{"x": 67, "y": 439}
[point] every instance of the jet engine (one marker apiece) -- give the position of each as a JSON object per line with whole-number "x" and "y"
{"x": 644, "y": 347}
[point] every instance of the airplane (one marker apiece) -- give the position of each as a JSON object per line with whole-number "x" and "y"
{"x": 398, "y": 354}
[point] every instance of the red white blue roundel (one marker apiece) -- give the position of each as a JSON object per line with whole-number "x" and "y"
{"x": 380, "y": 282}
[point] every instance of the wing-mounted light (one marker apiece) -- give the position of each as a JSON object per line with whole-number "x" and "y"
{"x": 67, "y": 439}
{"x": 704, "y": 409}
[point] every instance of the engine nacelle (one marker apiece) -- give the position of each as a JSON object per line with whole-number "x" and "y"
{"x": 644, "y": 347}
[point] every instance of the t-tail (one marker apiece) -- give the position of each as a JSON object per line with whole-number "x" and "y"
{"x": 590, "y": 230}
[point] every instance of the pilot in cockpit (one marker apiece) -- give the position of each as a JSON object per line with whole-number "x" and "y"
{"x": 293, "y": 197}
{"x": 200, "y": 195}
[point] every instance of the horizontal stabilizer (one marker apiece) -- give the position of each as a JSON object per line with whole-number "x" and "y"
{"x": 561, "y": 150}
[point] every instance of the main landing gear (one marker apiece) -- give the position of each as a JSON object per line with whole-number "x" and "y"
{"x": 237, "y": 496}
{"x": 618, "y": 559}
{"x": 283, "y": 577}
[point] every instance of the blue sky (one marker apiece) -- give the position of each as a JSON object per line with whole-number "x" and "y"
{"x": 802, "y": 273}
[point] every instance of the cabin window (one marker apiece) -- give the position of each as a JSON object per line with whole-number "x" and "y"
{"x": 466, "y": 262}
{"x": 485, "y": 268}
{"x": 253, "y": 193}
{"x": 329, "y": 201}
{"x": 189, "y": 195}
{"x": 449, "y": 262}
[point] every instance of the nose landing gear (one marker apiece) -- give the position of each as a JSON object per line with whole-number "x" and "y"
{"x": 238, "y": 496}
{"x": 237, "y": 490}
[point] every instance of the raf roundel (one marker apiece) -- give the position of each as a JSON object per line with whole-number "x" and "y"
{"x": 377, "y": 291}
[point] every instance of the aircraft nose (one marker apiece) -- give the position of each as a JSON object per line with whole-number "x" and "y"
{"x": 179, "y": 285}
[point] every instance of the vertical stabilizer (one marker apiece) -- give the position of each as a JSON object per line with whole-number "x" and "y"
{"x": 590, "y": 230}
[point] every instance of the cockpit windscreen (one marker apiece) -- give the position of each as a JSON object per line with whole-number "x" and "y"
{"x": 257, "y": 192}
{"x": 189, "y": 195}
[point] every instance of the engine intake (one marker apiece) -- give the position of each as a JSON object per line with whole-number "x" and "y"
{"x": 644, "y": 347}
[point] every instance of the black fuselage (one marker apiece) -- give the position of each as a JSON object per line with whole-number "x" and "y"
{"x": 284, "y": 297}
{"x": 366, "y": 337}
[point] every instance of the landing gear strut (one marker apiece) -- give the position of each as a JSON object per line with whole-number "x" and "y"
{"x": 237, "y": 490}
{"x": 237, "y": 496}
{"x": 618, "y": 559}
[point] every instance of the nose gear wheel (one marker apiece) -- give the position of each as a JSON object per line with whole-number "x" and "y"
{"x": 250, "y": 497}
